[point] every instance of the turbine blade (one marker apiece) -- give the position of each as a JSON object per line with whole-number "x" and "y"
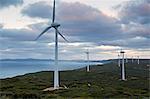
{"x": 53, "y": 12}
{"x": 62, "y": 36}
{"x": 43, "y": 32}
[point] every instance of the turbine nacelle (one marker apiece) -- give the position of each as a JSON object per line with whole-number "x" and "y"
{"x": 55, "y": 25}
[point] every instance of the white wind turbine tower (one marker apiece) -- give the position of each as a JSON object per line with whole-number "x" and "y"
{"x": 118, "y": 60}
{"x": 123, "y": 67}
{"x": 55, "y": 26}
{"x": 132, "y": 59}
{"x": 88, "y": 65}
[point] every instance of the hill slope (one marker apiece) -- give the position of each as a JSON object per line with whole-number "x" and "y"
{"x": 101, "y": 82}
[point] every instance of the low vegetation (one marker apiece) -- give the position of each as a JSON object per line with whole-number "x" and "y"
{"x": 102, "y": 81}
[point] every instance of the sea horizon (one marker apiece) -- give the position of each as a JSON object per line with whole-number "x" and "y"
{"x": 15, "y": 67}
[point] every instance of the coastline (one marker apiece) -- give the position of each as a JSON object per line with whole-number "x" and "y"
{"x": 11, "y": 68}
{"x": 104, "y": 82}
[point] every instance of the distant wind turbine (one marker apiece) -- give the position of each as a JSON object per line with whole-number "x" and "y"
{"x": 55, "y": 26}
{"x": 123, "y": 67}
{"x": 132, "y": 59}
{"x": 88, "y": 65}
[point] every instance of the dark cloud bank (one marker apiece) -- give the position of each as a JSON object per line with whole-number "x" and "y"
{"x": 39, "y": 10}
{"x": 6, "y": 3}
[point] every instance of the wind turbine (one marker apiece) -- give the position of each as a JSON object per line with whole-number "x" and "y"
{"x": 55, "y": 26}
{"x": 132, "y": 59}
{"x": 88, "y": 65}
{"x": 138, "y": 60}
{"x": 122, "y": 68}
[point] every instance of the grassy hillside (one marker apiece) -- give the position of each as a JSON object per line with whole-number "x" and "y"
{"x": 102, "y": 82}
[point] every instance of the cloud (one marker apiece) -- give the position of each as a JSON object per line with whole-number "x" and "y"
{"x": 17, "y": 34}
{"x": 88, "y": 23}
{"x": 84, "y": 26}
{"x": 133, "y": 30}
{"x": 79, "y": 20}
{"x": 135, "y": 20}
{"x": 83, "y": 23}
{"x": 137, "y": 11}
{"x": 39, "y": 10}
{"x": 6, "y": 3}
{"x": 24, "y": 49}
{"x": 136, "y": 42}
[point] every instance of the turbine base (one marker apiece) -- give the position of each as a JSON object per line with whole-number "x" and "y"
{"x": 53, "y": 89}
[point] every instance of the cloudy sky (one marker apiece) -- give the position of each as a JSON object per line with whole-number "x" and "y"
{"x": 102, "y": 26}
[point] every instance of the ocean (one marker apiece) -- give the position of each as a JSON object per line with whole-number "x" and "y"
{"x": 12, "y": 68}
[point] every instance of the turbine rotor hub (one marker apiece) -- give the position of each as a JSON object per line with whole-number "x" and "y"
{"x": 55, "y": 25}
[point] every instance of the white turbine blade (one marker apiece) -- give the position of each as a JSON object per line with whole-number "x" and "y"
{"x": 43, "y": 32}
{"x": 53, "y": 12}
{"x": 62, "y": 36}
